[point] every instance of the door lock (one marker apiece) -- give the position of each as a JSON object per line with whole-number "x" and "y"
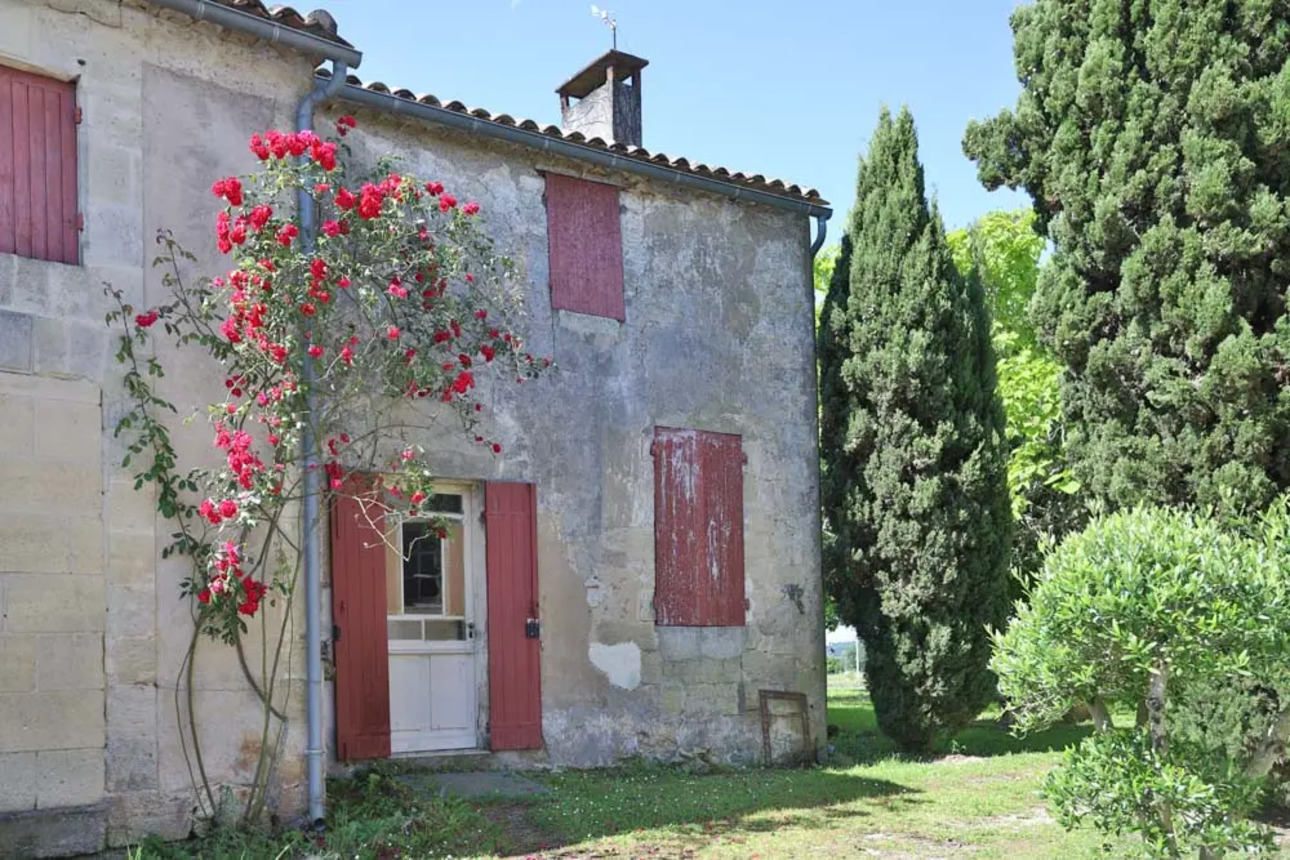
{"x": 532, "y": 628}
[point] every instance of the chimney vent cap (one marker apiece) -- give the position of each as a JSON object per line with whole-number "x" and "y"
{"x": 593, "y": 76}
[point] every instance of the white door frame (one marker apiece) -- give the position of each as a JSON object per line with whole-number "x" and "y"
{"x": 437, "y": 656}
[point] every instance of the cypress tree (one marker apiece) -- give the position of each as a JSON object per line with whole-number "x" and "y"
{"x": 1153, "y": 138}
{"x": 914, "y": 482}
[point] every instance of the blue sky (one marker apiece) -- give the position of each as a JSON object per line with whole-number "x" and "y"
{"x": 788, "y": 89}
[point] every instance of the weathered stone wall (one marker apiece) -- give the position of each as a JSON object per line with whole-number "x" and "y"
{"x": 92, "y": 629}
{"x": 93, "y": 633}
{"x": 718, "y": 337}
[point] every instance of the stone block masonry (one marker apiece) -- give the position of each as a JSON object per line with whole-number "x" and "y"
{"x": 52, "y": 617}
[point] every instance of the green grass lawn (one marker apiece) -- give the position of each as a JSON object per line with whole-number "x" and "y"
{"x": 977, "y": 797}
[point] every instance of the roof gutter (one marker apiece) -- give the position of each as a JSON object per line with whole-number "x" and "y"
{"x": 389, "y": 103}
{"x": 269, "y": 31}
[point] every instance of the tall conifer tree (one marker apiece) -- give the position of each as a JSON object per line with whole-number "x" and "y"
{"x": 914, "y": 455}
{"x": 1154, "y": 139}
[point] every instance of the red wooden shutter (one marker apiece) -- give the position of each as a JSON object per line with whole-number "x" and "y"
{"x": 677, "y": 510}
{"x": 37, "y": 167}
{"x": 362, "y": 647}
{"x": 586, "y": 247}
{"x": 514, "y": 652}
{"x": 698, "y": 529}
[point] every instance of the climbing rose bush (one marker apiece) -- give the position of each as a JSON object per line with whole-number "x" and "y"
{"x": 358, "y": 341}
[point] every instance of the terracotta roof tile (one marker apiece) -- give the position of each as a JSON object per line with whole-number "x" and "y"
{"x": 318, "y": 23}
{"x": 321, "y": 24}
{"x": 754, "y": 180}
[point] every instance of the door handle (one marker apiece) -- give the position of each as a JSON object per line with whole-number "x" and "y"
{"x": 532, "y": 628}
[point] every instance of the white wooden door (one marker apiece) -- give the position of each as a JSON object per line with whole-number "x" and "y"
{"x": 434, "y": 700}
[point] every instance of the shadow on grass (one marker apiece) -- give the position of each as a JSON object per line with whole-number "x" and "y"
{"x": 587, "y": 805}
{"x": 858, "y": 737}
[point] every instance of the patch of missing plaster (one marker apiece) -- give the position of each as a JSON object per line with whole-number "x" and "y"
{"x": 621, "y": 663}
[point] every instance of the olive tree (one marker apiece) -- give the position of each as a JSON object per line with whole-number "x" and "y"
{"x": 1140, "y": 612}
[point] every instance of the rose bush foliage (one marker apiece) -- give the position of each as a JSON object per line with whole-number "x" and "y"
{"x": 399, "y": 299}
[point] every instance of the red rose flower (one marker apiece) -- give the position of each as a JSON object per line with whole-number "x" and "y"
{"x": 257, "y": 146}
{"x": 145, "y": 319}
{"x": 228, "y": 509}
{"x": 260, "y": 216}
{"x": 369, "y": 204}
{"x": 471, "y": 208}
{"x": 345, "y": 199}
{"x": 230, "y": 189}
{"x": 207, "y": 510}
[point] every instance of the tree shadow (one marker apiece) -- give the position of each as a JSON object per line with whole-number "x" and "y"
{"x": 857, "y": 736}
{"x": 685, "y": 808}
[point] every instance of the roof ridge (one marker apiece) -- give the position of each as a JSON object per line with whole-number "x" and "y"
{"x": 757, "y": 181}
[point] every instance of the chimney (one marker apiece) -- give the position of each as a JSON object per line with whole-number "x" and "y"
{"x": 608, "y": 99}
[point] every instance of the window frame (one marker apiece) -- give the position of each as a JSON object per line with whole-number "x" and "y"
{"x": 399, "y": 553}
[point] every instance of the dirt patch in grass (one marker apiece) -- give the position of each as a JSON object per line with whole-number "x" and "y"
{"x": 520, "y": 837}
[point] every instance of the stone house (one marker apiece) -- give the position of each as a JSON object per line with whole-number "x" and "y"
{"x": 625, "y": 583}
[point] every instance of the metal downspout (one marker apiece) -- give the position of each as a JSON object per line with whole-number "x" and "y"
{"x": 312, "y": 538}
{"x": 821, "y": 230}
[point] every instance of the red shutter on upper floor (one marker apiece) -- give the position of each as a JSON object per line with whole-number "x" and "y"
{"x": 514, "y": 651}
{"x": 362, "y": 647}
{"x": 584, "y": 234}
{"x": 698, "y": 529}
{"x": 38, "y": 217}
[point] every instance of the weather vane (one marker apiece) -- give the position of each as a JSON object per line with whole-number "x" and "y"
{"x": 607, "y": 18}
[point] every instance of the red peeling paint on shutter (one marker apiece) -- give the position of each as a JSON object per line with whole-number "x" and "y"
{"x": 721, "y": 468}
{"x": 38, "y": 167}
{"x": 586, "y": 247}
{"x": 362, "y": 647}
{"x": 698, "y": 529}
{"x": 677, "y": 509}
{"x": 514, "y": 656}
